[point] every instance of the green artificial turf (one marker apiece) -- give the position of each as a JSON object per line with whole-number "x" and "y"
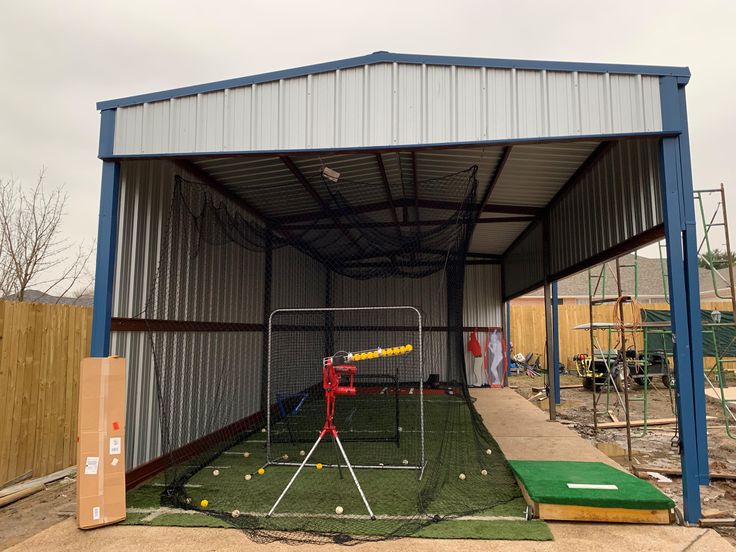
{"x": 535, "y": 530}
{"x": 546, "y": 483}
{"x": 453, "y": 446}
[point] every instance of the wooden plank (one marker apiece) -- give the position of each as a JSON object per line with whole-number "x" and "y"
{"x": 567, "y": 512}
{"x": 9, "y": 499}
{"x": 641, "y": 471}
{"x": 16, "y": 398}
{"x": 640, "y": 423}
{"x": 15, "y": 480}
{"x": 59, "y": 390}
{"x": 46, "y": 479}
{"x": 35, "y": 367}
{"x": 5, "y": 374}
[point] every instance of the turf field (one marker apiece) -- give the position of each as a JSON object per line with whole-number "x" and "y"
{"x": 488, "y": 506}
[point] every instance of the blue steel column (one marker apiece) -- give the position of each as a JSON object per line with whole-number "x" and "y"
{"x": 692, "y": 282}
{"x": 555, "y": 343}
{"x": 507, "y": 333}
{"x": 684, "y": 299}
{"x": 106, "y": 240}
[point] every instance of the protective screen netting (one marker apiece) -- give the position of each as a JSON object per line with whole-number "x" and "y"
{"x": 242, "y": 400}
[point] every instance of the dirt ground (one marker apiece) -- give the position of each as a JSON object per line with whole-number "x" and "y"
{"x": 31, "y": 515}
{"x": 656, "y": 447}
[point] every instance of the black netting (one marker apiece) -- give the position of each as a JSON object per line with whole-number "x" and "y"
{"x": 240, "y": 374}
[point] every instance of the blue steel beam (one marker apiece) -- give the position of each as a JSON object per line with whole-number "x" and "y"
{"x": 555, "y": 377}
{"x": 106, "y": 240}
{"x": 684, "y": 294}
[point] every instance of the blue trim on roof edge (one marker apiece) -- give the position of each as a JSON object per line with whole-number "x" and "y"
{"x": 107, "y": 134}
{"x": 400, "y": 147}
{"x": 681, "y": 73}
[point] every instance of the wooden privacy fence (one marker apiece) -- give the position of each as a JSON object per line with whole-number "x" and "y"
{"x": 41, "y": 347}
{"x": 528, "y": 327}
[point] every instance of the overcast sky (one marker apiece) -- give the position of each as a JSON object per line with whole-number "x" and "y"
{"x": 57, "y": 58}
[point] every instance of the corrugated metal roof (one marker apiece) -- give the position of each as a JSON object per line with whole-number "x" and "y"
{"x": 532, "y": 175}
{"x": 535, "y": 173}
{"x": 391, "y": 57}
{"x": 390, "y": 101}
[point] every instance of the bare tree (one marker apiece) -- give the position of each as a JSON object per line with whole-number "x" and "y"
{"x": 33, "y": 251}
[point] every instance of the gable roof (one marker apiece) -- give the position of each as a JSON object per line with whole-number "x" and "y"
{"x": 682, "y": 73}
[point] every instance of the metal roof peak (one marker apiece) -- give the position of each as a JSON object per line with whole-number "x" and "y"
{"x": 382, "y": 56}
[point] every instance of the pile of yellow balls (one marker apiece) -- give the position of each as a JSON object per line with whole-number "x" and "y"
{"x": 391, "y": 351}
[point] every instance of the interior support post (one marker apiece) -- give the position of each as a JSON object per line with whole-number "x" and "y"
{"x": 555, "y": 374}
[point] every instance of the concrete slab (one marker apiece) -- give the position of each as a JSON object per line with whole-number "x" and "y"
{"x": 524, "y": 432}
{"x": 65, "y": 536}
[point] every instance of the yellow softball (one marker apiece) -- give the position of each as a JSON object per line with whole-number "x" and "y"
{"x": 204, "y": 503}
{"x": 318, "y": 466}
{"x": 409, "y": 347}
{"x": 261, "y": 471}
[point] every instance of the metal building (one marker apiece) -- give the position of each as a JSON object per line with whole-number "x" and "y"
{"x": 578, "y": 162}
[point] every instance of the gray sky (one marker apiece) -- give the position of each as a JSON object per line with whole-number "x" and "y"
{"x": 58, "y": 58}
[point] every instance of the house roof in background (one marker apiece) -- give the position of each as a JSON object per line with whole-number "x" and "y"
{"x": 651, "y": 282}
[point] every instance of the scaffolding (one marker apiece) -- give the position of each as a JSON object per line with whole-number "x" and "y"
{"x": 612, "y": 369}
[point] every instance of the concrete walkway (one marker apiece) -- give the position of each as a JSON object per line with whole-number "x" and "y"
{"x": 65, "y": 536}
{"x": 524, "y": 432}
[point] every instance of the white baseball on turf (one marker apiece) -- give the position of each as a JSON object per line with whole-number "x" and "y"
{"x": 400, "y": 430}
{"x": 302, "y": 453}
{"x": 489, "y": 451}
{"x": 338, "y": 510}
{"x": 285, "y": 456}
{"x": 462, "y": 477}
{"x": 236, "y": 513}
{"x": 246, "y": 454}
{"x": 484, "y": 472}
{"x": 248, "y": 477}
{"x": 405, "y": 461}
{"x": 215, "y": 472}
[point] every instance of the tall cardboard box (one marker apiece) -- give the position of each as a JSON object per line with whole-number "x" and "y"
{"x": 101, "y": 448}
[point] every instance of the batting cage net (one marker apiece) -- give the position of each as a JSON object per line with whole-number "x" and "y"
{"x": 322, "y": 404}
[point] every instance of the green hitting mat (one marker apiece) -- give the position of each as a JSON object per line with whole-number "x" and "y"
{"x": 485, "y": 504}
{"x": 587, "y": 484}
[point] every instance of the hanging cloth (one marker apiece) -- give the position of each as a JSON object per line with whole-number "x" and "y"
{"x": 474, "y": 345}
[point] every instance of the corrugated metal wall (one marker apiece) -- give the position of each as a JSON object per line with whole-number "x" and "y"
{"x": 482, "y": 301}
{"x": 483, "y": 305}
{"x": 210, "y": 286}
{"x": 616, "y": 200}
{"x": 388, "y": 104}
{"x": 523, "y": 263}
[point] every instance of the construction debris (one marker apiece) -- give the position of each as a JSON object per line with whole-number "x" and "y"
{"x": 11, "y": 494}
{"x": 643, "y": 472}
{"x": 642, "y": 423}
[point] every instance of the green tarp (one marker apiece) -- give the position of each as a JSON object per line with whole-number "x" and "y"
{"x": 718, "y": 339}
